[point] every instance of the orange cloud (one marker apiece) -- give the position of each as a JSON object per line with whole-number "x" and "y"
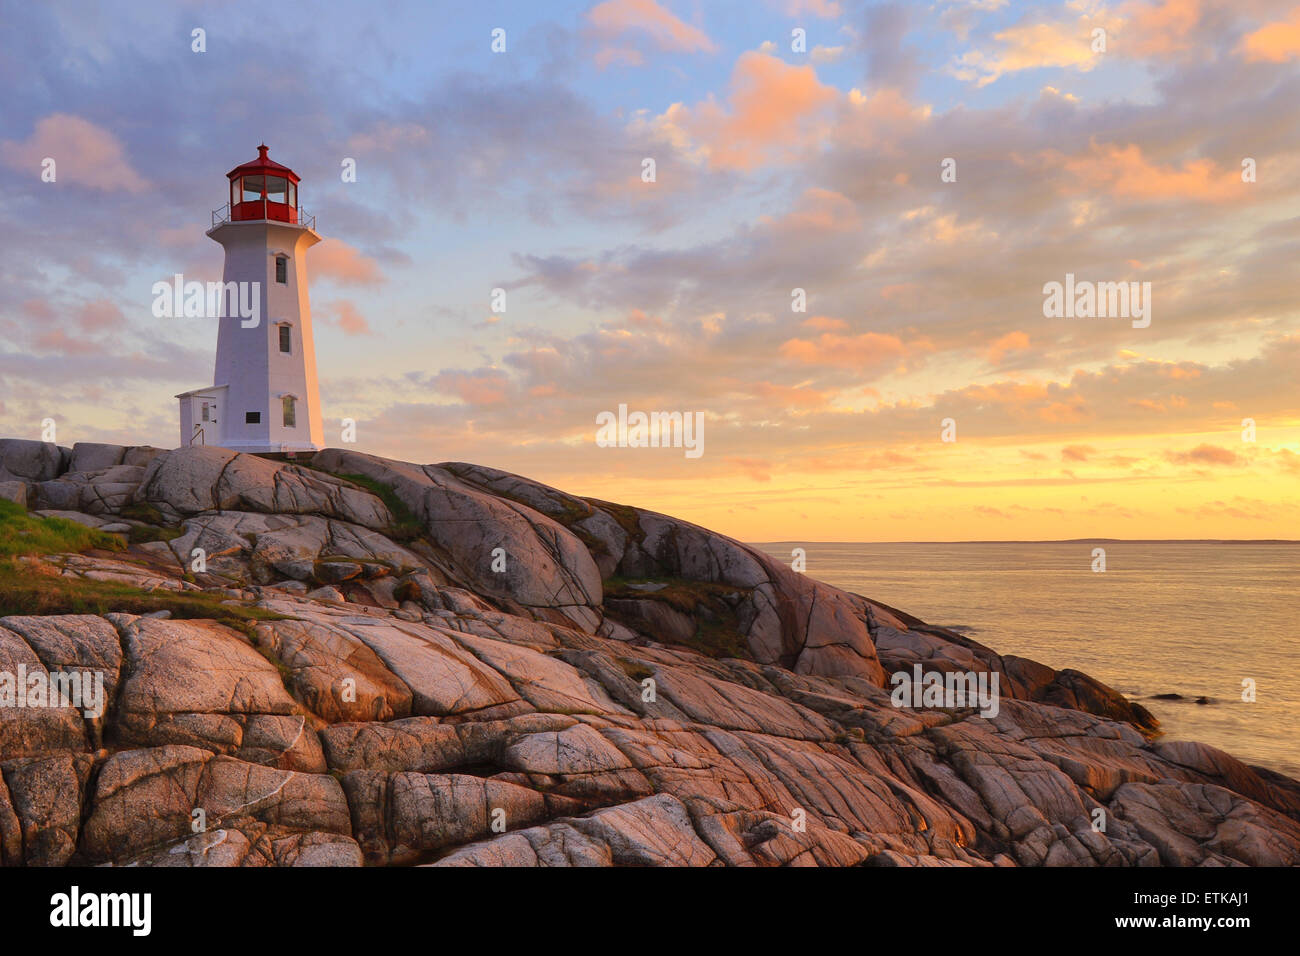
{"x": 1011, "y": 342}
{"x": 1205, "y": 455}
{"x": 614, "y": 18}
{"x": 1161, "y": 28}
{"x": 1274, "y": 42}
{"x": 787, "y": 396}
{"x": 829, "y": 348}
{"x": 82, "y": 152}
{"x": 335, "y": 259}
{"x": 1125, "y": 172}
{"x": 483, "y": 387}
{"x": 769, "y": 114}
{"x": 1077, "y": 452}
{"x": 755, "y": 468}
{"x": 1029, "y": 46}
{"x": 1063, "y": 413}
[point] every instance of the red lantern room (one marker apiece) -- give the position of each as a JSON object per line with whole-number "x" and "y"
{"x": 263, "y": 189}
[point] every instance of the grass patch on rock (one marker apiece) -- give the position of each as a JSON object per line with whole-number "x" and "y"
{"x": 711, "y": 606}
{"x": 406, "y": 526}
{"x": 27, "y": 588}
{"x": 142, "y": 533}
{"x": 21, "y": 534}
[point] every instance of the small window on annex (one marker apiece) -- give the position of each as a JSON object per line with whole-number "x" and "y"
{"x": 286, "y": 339}
{"x": 290, "y": 412}
{"x": 252, "y": 418}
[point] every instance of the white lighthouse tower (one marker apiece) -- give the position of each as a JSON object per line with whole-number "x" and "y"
{"x": 264, "y": 396}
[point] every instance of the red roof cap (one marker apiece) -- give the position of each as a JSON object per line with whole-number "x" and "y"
{"x": 263, "y": 165}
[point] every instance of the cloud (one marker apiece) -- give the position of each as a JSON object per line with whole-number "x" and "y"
{"x": 755, "y": 468}
{"x": 1011, "y": 342}
{"x": 1034, "y": 45}
{"x": 335, "y": 259}
{"x": 99, "y": 315}
{"x": 350, "y": 320}
{"x": 774, "y": 110}
{"x": 856, "y": 351}
{"x": 482, "y": 387}
{"x": 614, "y": 19}
{"x": 83, "y": 153}
{"x": 1127, "y": 173}
{"x": 1205, "y": 454}
{"x": 1275, "y": 42}
{"x": 1161, "y": 28}
{"x": 818, "y": 8}
{"x": 1077, "y": 452}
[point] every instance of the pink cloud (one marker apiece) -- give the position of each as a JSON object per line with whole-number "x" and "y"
{"x": 615, "y": 18}
{"x": 335, "y": 259}
{"x": 351, "y": 321}
{"x": 771, "y": 113}
{"x": 83, "y": 154}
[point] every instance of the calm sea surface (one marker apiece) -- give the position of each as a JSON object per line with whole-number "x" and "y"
{"x": 1166, "y": 617}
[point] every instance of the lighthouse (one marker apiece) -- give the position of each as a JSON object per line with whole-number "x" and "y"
{"x": 264, "y": 396}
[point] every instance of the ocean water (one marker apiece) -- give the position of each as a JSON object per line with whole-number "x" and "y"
{"x": 1191, "y": 618}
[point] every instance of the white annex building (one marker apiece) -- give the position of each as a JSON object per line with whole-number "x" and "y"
{"x": 264, "y": 396}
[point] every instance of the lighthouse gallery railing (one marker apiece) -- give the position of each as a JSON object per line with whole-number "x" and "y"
{"x": 222, "y": 216}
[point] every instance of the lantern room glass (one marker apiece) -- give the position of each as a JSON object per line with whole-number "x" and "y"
{"x": 253, "y": 187}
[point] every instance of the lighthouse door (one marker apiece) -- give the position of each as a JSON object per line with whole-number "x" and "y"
{"x": 206, "y": 419}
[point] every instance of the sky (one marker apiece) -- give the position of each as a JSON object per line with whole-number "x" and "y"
{"x": 920, "y": 171}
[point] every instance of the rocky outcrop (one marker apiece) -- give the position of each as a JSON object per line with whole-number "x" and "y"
{"x": 373, "y": 684}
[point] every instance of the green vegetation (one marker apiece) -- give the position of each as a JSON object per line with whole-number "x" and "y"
{"x": 37, "y": 589}
{"x": 32, "y": 588}
{"x": 21, "y": 533}
{"x": 406, "y": 526}
{"x": 628, "y": 518}
{"x": 140, "y": 533}
{"x": 141, "y": 511}
{"x": 711, "y": 606}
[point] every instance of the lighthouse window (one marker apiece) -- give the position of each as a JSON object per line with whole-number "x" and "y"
{"x": 290, "y": 414}
{"x": 284, "y": 339}
{"x": 293, "y": 195}
{"x": 282, "y": 274}
{"x": 276, "y": 188}
{"x": 253, "y": 186}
